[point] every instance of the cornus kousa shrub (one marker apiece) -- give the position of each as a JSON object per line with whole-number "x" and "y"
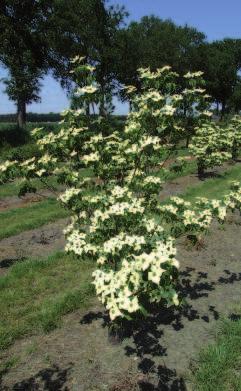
{"x": 196, "y": 219}
{"x": 211, "y": 146}
{"x": 112, "y": 190}
{"x": 167, "y": 110}
{"x": 234, "y": 128}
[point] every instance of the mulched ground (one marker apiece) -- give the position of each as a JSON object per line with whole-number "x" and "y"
{"x": 155, "y": 355}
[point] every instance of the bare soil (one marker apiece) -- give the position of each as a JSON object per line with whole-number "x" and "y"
{"x": 38, "y": 242}
{"x": 21, "y": 202}
{"x": 157, "y": 354}
{"x": 49, "y": 238}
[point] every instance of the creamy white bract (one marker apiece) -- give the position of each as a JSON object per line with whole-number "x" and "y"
{"x": 113, "y": 186}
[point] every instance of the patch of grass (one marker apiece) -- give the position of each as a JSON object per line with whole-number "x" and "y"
{"x": 215, "y": 187}
{"x": 189, "y": 168}
{"x": 8, "y": 364}
{"x": 14, "y": 221}
{"x": 35, "y": 294}
{"x": 12, "y": 189}
{"x": 219, "y": 364}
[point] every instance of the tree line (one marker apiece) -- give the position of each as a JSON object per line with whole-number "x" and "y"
{"x": 42, "y": 36}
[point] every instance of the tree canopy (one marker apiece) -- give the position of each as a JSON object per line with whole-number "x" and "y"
{"x": 40, "y": 36}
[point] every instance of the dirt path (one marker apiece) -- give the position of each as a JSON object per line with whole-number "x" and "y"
{"x": 157, "y": 353}
{"x": 22, "y": 202}
{"x": 49, "y": 238}
{"x": 37, "y": 242}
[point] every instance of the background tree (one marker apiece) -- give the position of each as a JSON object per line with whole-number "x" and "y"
{"x": 221, "y": 62}
{"x": 154, "y": 43}
{"x": 87, "y": 28}
{"x": 42, "y": 35}
{"x": 24, "y": 49}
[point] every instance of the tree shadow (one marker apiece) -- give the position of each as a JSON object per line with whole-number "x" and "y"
{"x": 48, "y": 379}
{"x": 144, "y": 337}
{"x": 6, "y": 263}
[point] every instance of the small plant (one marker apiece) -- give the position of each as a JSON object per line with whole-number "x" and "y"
{"x": 211, "y": 146}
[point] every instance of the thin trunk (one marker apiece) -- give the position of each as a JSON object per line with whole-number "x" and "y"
{"x": 200, "y": 168}
{"x": 223, "y": 108}
{"x": 21, "y": 113}
{"x": 188, "y": 141}
{"x": 217, "y": 108}
{"x": 102, "y": 110}
{"x": 87, "y": 110}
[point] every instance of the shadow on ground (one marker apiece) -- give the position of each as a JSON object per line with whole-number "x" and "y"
{"x": 145, "y": 338}
{"x": 51, "y": 379}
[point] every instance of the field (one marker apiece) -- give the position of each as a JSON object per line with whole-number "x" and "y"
{"x": 54, "y": 333}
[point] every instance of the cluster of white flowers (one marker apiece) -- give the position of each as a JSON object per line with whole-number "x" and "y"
{"x": 119, "y": 290}
{"x": 7, "y": 164}
{"x": 114, "y": 206}
{"x": 211, "y": 146}
{"x": 68, "y": 195}
{"x": 198, "y": 217}
{"x": 191, "y": 75}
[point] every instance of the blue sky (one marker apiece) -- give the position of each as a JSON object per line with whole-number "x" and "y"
{"x": 216, "y": 18}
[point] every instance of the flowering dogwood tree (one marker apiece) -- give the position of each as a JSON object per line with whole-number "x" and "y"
{"x": 112, "y": 191}
{"x": 235, "y": 128}
{"x": 211, "y": 146}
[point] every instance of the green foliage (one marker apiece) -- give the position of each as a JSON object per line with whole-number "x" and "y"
{"x": 115, "y": 207}
{"x": 220, "y": 61}
{"x": 211, "y": 146}
{"x": 144, "y": 44}
{"x": 21, "y": 153}
{"x": 11, "y": 134}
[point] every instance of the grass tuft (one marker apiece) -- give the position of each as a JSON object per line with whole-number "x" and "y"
{"x": 14, "y": 221}
{"x": 219, "y": 364}
{"x": 35, "y": 294}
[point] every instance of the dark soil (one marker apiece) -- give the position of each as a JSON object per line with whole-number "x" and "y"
{"x": 158, "y": 353}
{"x": 21, "y": 202}
{"x": 37, "y": 242}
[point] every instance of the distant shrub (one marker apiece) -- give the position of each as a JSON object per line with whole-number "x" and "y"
{"x": 25, "y": 152}
{"x": 13, "y": 135}
{"x": 32, "y": 117}
{"x": 48, "y": 127}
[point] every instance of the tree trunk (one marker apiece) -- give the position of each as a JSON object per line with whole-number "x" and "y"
{"x": 87, "y": 110}
{"x": 102, "y": 110}
{"x": 188, "y": 141}
{"x": 223, "y": 108}
{"x": 217, "y": 108}
{"x": 21, "y": 113}
{"x": 200, "y": 168}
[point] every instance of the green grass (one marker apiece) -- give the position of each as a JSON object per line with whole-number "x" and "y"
{"x": 35, "y": 294}
{"x": 215, "y": 187}
{"x": 189, "y": 168}
{"x": 14, "y": 221}
{"x": 12, "y": 189}
{"x": 219, "y": 364}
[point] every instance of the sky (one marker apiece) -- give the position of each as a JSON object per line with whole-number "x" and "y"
{"x": 218, "y": 19}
